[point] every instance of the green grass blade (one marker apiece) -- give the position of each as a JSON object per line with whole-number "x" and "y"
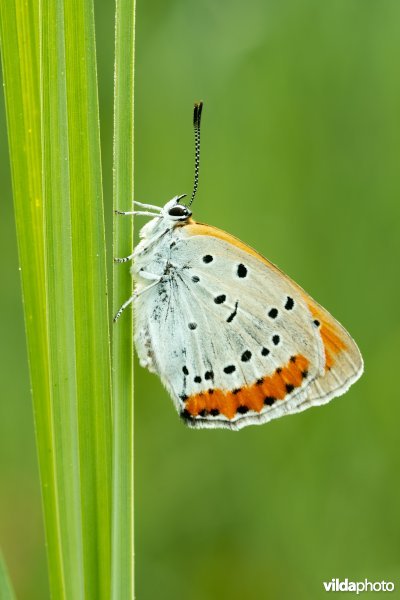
{"x": 60, "y": 297}
{"x": 19, "y": 22}
{"x": 6, "y": 590}
{"x": 76, "y": 295}
{"x": 90, "y": 289}
{"x": 122, "y": 516}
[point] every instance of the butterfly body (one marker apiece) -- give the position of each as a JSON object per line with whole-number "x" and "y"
{"x": 235, "y": 341}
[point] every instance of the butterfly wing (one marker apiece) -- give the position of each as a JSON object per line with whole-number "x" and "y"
{"x": 234, "y": 340}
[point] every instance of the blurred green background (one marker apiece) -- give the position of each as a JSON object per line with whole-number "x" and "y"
{"x": 300, "y": 159}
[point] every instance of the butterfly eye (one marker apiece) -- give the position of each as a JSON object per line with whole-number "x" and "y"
{"x": 179, "y": 211}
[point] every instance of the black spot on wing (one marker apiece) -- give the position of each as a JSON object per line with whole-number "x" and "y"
{"x": 269, "y": 400}
{"x": 234, "y": 313}
{"x": 186, "y": 416}
{"x": 241, "y": 271}
{"x": 289, "y": 303}
{"x": 246, "y": 356}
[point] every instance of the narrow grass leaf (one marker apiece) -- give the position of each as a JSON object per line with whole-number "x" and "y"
{"x": 19, "y": 27}
{"x": 90, "y": 294}
{"x": 122, "y": 356}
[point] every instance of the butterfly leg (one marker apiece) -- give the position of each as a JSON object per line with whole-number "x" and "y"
{"x": 145, "y": 213}
{"x": 125, "y": 259}
{"x": 150, "y": 206}
{"x": 155, "y": 278}
{"x": 123, "y": 307}
{"x": 150, "y": 276}
{"x": 156, "y": 210}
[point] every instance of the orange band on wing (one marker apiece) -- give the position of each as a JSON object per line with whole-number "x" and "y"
{"x": 333, "y": 344}
{"x": 194, "y": 228}
{"x": 263, "y": 392}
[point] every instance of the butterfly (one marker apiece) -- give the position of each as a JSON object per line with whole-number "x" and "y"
{"x": 235, "y": 341}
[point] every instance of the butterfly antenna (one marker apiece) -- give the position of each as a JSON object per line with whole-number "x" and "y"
{"x": 198, "y": 107}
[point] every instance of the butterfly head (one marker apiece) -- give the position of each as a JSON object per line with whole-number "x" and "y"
{"x": 174, "y": 211}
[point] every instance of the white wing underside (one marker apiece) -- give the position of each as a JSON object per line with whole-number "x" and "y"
{"x": 203, "y": 318}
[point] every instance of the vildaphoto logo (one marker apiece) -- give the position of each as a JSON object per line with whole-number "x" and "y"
{"x": 336, "y": 585}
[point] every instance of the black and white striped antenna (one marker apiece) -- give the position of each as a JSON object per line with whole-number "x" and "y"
{"x": 198, "y": 107}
